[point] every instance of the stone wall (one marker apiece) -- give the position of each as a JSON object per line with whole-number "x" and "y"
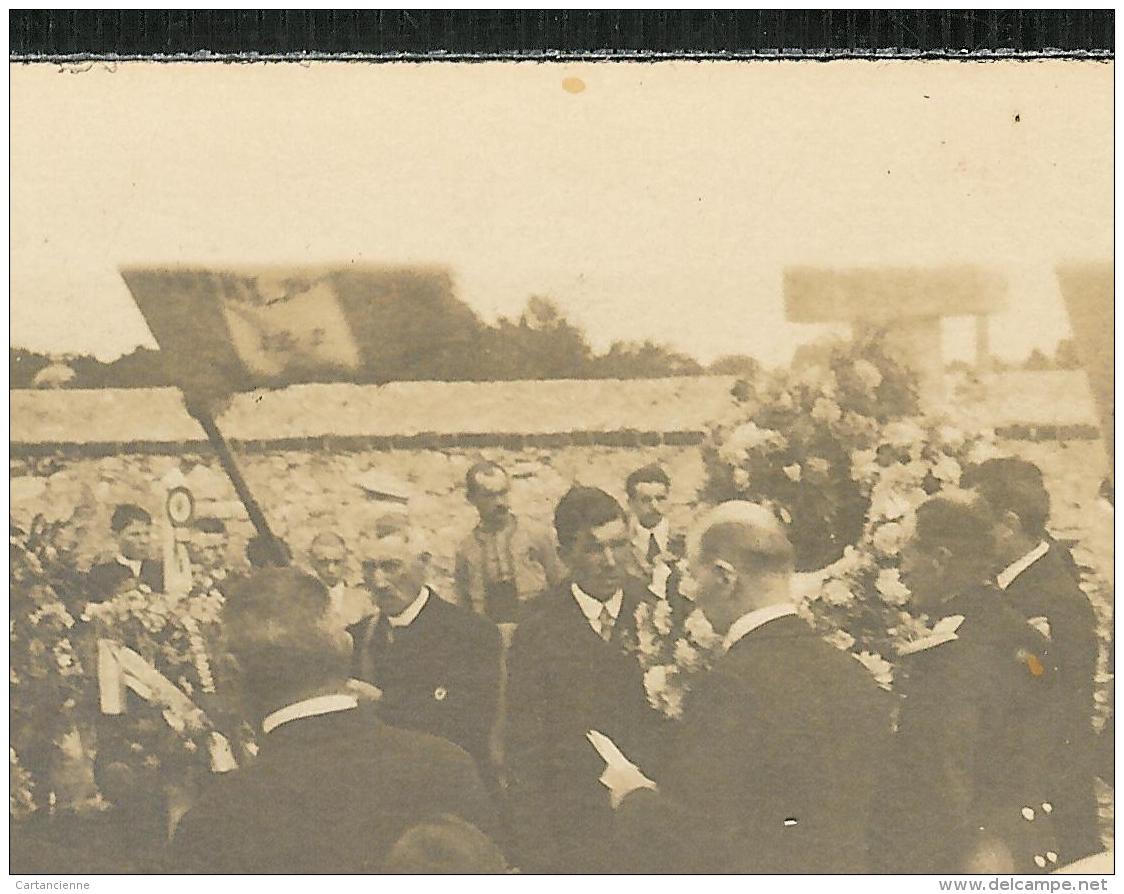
{"x": 306, "y": 491}
{"x": 304, "y": 449}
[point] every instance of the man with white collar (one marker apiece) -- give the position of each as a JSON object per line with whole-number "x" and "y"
{"x": 568, "y": 673}
{"x": 1040, "y": 581}
{"x": 437, "y": 664}
{"x": 333, "y": 787}
{"x": 328, "y": 559}
{"x": 779, "y": 746}
{"x": 652, "y": 560}
{"x": 132, "y": 529}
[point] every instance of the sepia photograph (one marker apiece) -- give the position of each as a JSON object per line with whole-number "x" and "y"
{"x": 561, "y": 468}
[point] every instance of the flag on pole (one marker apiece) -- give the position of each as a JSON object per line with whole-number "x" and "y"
{"x": 223, "y": 331}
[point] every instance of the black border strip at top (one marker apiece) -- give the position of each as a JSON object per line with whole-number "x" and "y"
{"x": 417, "y": 35}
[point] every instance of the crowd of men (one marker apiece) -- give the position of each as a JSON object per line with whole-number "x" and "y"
{"x": 402, "y": 729}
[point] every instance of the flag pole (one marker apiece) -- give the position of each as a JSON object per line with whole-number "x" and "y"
{"x": 230, "y": 465}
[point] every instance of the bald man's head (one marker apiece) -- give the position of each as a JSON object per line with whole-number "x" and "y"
{"x": 747, "y": 535}
{"x": 741, "y": 559}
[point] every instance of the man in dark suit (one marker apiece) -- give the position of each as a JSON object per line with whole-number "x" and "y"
{"x": 568, "y": 673}
{"x": 332, "y": 788}
{"x": 968, "y": 787}
{"x": 1040, "y": 581}
{"x": 437, "y": 664}
{"x": 132, "y": 529}
{"x": 779, "y": 746}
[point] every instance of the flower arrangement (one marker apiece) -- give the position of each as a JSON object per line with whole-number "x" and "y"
{"x": 178, "y": 634}
{"x": 840, "y": 451}
{"x": 672, "y": 646}
{"x": 860, "y": 601}
{"x": 792, "y": 441}
{"x": 46, "y": 685}
{"x": 21, "y": 797}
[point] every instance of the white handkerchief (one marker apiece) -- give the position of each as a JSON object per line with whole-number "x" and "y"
{"x": 607, "y": 748}
{"x": 621, "y": 776}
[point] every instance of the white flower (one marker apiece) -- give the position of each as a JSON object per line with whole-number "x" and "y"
{"x": 867, "y": 373}
{"x": 819, "y": 465}
{"x": 888, "y": 539}
{"x": 661, "y": 617}
{"x": 664, "y": 690}
{"x": 951, "y": 437}
{"x": 879, "y": 667}
{"x": 826, "y": 410}
{"x": 698, "y": 628}
{"x": 749, "y": 436}
{"x": 946, "y": 469}
{"x": 814, "y": 376}
{"x": 792, "y": 472}
{"x": 851, "y": 562}
{"x": 903, "y": 433}
{"x": 646, "y": 643}
{"x": 685, "y": 654}
{"x": 888, "y": 504}
{"x": 841, "y": 639}
{"x": 903, "y": 476}
{"x": 741, "y": 478}
{"x": 837, "y": 593}
{"x": 890, "y": 587}
{"x": 982, "y": 451}
{"x": 864, "y": 465}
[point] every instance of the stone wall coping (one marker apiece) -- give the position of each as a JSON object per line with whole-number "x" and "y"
{"x": 438, "y": 415}
{"x": 406, "y": 414}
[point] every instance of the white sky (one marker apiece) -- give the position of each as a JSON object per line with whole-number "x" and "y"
{"x": 661, "y": 202}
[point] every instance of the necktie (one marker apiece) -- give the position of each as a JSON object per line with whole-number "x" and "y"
{"x": 653, "y": 549}
{"x": 605, "y": 623}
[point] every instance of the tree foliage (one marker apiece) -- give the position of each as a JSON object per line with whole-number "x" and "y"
{"x": 450, "y": 343}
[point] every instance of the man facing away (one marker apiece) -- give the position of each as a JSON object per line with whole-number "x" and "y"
{"x": 437, "y": 664}
{"x": 568, "y": 672}
{"x": 333, "y": 787}
{"x": 1039, "y": 581}
{"x": 779, "y": 745}
{"x": 504, "y": 563}
{"x": 132, "y": 530}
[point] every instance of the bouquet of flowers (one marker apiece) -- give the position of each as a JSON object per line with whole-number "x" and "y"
{"x": 841, "y": 453}
{"x": 672, "y": 647}
{"x": 860, "y": 601}
{"x": 47, "y": 694}
{"x": 175, "y": 633}
{"x": 791, "y": 444}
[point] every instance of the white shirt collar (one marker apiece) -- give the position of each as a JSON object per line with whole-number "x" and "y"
{"x": 1007, "y": 576}
{"x": 310, "y": 707}
{"x": 591, "y": 607}
{"x": 642, "y": 536}
{"x": 134, "y": 565}
{"x": 750, "y": 621}
{"x": 407, "y": 616}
